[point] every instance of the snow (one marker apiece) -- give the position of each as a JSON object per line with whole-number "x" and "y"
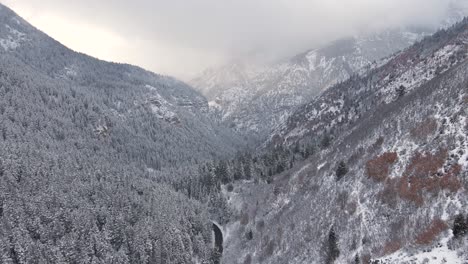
{"x": 160, "y": 107}
{"x": 152, "y": 88}
{"x": 71, "y": 71}
{"x": 16, "y": 20}
{"x": 13, "y": 40}
{"x": 422, "y": 72}
{"x": 320, "y": 166}
{"x": 440, "y": 254}
{"x": 214, "y": 105}
{"x": 312, "y": 59}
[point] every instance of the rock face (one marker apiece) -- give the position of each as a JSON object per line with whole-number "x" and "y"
{"x": 390, "y": 182}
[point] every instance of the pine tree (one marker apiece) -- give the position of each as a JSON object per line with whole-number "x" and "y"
{"x": 460, "y": 226}
{"x": 326, "y": 141}
{"x": 401, "y": 91}
{"x": 332, "y": 247}
{"x": 341, "y": 170}
{"x": 221, "y": 172}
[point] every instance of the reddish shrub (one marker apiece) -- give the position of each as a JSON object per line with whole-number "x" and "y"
{"x": 379, "y": 167}
{"x": 420, "y": 175}
{"x": 432, "y": 232}
{"x": 411, "y": 189}
{"x": 424, "y": 129}
{"x": 391, "y": 247}
{"x": 366, "y": 259}
{"x": 425, "y": 165}
{"x": 449, "y": 181}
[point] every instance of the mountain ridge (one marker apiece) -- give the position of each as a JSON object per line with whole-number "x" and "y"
{"x": 259, "y": 104}
{"x": 384, "y": 161}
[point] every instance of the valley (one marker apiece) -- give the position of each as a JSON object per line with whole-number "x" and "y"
{"x": 352, "y": 152}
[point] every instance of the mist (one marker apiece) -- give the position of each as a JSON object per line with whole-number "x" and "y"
{"x": 183, "y": 37}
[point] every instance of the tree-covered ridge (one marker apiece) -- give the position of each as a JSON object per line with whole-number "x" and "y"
{"x": 80, "y": 139}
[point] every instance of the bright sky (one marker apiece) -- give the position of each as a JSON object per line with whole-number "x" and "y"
{"x": 183, "y": 37}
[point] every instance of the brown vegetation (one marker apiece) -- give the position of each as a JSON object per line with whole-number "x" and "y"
{"x": 379, "y": 168}
{"x": 424, "y": 129}
{"x": 366, "y": 259}
{"x": 421, "y": 175}
{"x": 432, "y": 232}
{"x": 391, "y": 247}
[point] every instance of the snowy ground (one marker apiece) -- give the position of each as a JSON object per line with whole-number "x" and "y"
{"x": 440, "y": 254}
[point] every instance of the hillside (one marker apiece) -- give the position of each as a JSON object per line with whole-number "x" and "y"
{"x": 361, "y": 159}
{"x": 387, "y": 179}
{"x": 255, "y": 98}
{"x": 82, "y": 140}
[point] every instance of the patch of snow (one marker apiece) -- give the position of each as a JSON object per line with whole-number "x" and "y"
{"x": 13, "y": 40}
{"x": 421, "y": 73}
{"x": 214, "y": 105}
{"x": 320, "y": 166}
{"x": 152, "y": 88}
{"x": 160, "y": 107}
{"x": 71, "y": 71}
{"x": 440, "y": 254}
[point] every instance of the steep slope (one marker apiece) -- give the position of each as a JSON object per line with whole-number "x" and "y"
{"x": 80, "y": 139}
{"x": 390, "y": 180}
{"x": 128, "y": 95}
{"x": 256, "y": 99}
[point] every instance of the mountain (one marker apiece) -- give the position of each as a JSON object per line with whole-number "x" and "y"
{"x": 257, "y": 98}
{"x": 386, "y": 178}
{"x": 125, "y": 94}
{"x": 83, "y": 144}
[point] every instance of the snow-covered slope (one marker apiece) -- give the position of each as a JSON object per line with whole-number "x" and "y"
{"x": 257, "y": 98}
{"x": 401, "y": 132}
{"x": 83, "y": 143}
{"x": 129, "y": 93}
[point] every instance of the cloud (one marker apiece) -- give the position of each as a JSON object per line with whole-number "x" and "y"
{"x": 181, "y": 37}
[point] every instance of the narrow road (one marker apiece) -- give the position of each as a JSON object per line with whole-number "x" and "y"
{"x": 218, "y": 245}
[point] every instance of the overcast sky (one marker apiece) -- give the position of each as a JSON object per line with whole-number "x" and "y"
{"x": 183, "y": 37}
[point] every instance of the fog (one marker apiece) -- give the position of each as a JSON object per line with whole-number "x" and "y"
{"x": 183, "y": 37}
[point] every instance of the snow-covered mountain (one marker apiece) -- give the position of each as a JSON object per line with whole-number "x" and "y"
{"x": 257, "y": 98}
{"x": 83, "y": 145}
{"x": 129, "y": 93}
{"x": 386, "y": 179}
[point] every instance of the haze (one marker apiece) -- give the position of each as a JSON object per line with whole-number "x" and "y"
{"x": 183, "y": 37}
